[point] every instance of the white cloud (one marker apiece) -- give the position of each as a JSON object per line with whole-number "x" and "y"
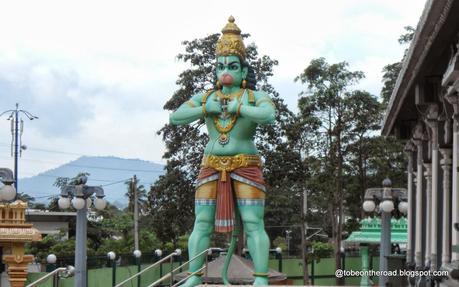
{"x": 99, "y": 72}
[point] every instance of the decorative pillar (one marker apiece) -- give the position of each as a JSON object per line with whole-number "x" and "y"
{"x": 453, "y": 98}
{"x": 428, "y": 223}
{"x": 409, "y": 150}
{"x": 418, "y": 141}
{"x": 15, "y": 232}
{"x": 432, "y": 123}
{"x": 446, "y": 227}
{"x": 365, "y": 281}
{"x": 17, "y": 265}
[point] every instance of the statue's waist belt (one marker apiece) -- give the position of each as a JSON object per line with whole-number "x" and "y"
{"x": 226, "y": 164}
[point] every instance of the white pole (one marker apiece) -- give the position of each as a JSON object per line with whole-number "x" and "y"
{"x": 446, "y": 242}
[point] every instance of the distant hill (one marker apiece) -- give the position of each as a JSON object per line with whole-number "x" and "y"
{"x": 107, "y": 171}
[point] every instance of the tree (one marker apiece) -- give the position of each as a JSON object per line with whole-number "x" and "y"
{"x": 30, "y": 201}
{"x": 141, "y": 196}
{"x": 329, "y": 102}
{"x": 391, "y": 71}
{"x": 367, "y": 113}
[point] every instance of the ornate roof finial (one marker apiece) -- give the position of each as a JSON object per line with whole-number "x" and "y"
{"x": 230, "y": 43}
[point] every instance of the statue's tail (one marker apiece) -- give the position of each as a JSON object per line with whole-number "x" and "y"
{"x": 229, "y": 254}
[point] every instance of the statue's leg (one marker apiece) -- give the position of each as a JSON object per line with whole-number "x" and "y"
{"x": 251, "y": 207}
{"x": 203, "y": 226}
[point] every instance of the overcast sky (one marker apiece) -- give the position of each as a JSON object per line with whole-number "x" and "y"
{"x": 98, "y": 73}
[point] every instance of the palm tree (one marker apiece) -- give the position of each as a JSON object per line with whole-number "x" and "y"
{"x": 133, "y": 185}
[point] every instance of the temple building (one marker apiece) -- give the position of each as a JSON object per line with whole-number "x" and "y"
{"x": 424, "y": 111}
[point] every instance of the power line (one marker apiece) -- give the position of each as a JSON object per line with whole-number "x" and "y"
{"x": 110, "y": 182}
{"x": 50, "y": 151}
{"x": 57, "y": 176}
{"x": 116, "y": 182}
{"x": 89, "y": 166}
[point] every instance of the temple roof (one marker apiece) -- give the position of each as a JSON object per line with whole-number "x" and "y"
{"x": 370, "y": 231}
{"x": 427, "y": 56}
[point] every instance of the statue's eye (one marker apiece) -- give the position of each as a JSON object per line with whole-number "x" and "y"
{"x": 234, "y": 67}
{"x": 220, "y": 67}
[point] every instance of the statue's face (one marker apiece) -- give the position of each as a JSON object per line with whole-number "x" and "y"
{"x": 230, "y": 72}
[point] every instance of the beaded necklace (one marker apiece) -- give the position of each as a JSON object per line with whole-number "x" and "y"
{"x": 223, "y": 139}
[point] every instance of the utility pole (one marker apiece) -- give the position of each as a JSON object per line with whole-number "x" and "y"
{"x": 17, "y": 128}
{"x": 79, "y": 195}
{"x": 304, "y": 241}
{"x": 136, "y": 213}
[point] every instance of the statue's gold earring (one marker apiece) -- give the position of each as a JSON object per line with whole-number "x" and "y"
{"x": 219, "y": 86}
{"x": 244, "y": 84}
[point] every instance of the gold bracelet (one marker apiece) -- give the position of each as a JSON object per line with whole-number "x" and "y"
{"x": 238, "y": 113}
{"x": 204, "y": 110}
{"x": 200, "y": 273}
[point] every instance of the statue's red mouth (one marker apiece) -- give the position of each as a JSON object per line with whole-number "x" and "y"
{"x": 226, "y": 80}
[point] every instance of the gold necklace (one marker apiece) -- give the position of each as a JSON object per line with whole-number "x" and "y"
{"x": 231, "y": 96}
{"x": 223, "y": 139}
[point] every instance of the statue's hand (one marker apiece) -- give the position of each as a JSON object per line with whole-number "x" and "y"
{"x": 213, "y": 107}
{"x": 233, "y": 106}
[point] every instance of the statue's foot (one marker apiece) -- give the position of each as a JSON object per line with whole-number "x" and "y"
{"x": 260, "y": 281}
{"x": 192, "y": 281}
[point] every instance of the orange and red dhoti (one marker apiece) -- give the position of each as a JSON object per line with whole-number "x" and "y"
{"x": 220, "y": 176}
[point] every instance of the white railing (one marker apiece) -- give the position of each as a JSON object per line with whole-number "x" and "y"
{"x": 170, "y": 275}
{"x": 67, "y": 272}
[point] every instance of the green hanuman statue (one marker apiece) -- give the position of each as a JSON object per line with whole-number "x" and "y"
{"x": 230, "y": 185}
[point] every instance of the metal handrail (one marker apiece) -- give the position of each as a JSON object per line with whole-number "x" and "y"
{"x": 195, "y": 272}
{"x": 53, "y": 273}
{"x": 171, "y": 273}
{"x": 191, "y": 274}
{"x": 148, "y": 268}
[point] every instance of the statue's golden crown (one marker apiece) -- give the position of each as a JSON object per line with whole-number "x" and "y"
{"x": 230, "y": 43}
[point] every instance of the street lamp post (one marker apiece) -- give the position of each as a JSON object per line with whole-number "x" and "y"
{"x": 159, "y": 254}
{"x": 16, "y": 132}
{"x": 111, "y": 258}
{"x": 387, "y": 197}
{"x": 287, "y": 238}
{"x": 137, "y": 254}
{"x": 79, "y": 194}
{"x": 7, "y": 192}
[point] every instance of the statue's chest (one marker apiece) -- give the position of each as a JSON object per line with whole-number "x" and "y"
{"x": 229, "y": 125}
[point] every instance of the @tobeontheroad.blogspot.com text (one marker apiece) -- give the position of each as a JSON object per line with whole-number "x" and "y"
{"x": 390, "y": 273}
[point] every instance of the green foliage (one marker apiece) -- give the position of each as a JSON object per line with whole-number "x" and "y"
{"x": 390, "y": 75}
{"x": 342, "y": 117}
{"x": 141, "y": 196}
{"x": 391, "y": 71}
{"x": 120, "y": 225}
{"x": 56, "y": 244}
{"x": 408, "y": 36}
{"x": 321, "y": 250}
{"x": 148, "y": 241}
{"x": 280, "y": 242}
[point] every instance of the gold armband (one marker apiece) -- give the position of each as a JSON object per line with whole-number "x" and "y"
{"x": 204, "y": 110}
